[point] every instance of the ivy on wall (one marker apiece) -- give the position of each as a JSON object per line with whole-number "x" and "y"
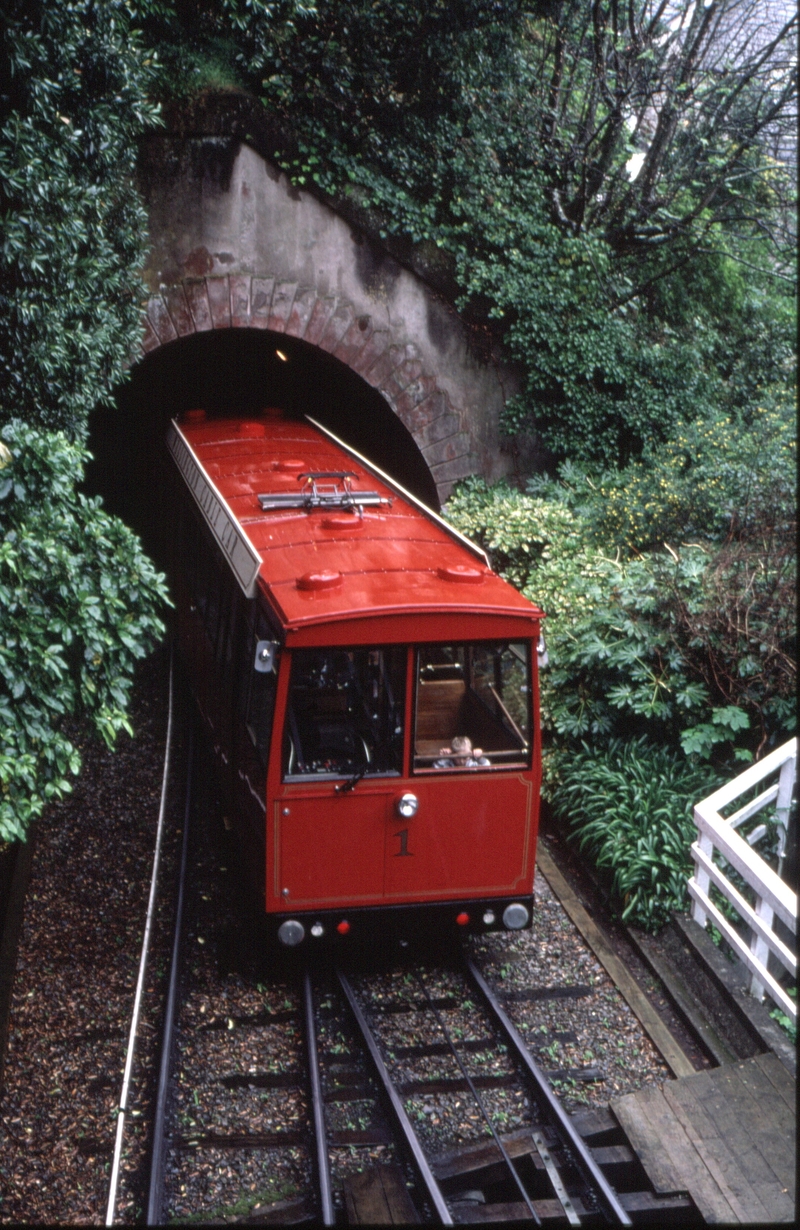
{"x": 76, "y": 96}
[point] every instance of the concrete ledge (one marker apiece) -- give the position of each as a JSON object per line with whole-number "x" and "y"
{"x": 730, "y": 979}
{"x": 693, "y": 1008}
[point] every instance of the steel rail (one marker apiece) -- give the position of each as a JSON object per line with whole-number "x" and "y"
{"x": 327, "y": 1210}
{"x": 509, "y": 1164}
{"x": 433, "y": 1190}
{"x": 155, "y": 1194}
{"x": 559, "y": 1118}
{"x": 148, "y": 927}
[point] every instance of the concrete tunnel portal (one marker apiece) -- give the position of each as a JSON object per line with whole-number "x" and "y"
{"x": 244, "y": 266}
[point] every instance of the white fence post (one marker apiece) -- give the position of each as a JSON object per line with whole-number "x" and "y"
{"x": 783, "y": 804}
{"x": 760, "y": 947}
{"x": 702, "y": 877}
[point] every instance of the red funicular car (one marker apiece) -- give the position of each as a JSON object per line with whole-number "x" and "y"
{"x": 369, "y": 683}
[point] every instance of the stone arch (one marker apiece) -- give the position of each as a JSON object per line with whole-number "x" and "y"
{"x": 391, "y": 366}
{"x": 235, "y": 245}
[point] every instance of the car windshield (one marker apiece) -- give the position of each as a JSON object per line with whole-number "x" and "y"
{"x": 473, "y": 706}
{"x": 345, "y": 712}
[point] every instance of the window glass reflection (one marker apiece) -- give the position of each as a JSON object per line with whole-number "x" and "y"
{"x": 345, "y": 712}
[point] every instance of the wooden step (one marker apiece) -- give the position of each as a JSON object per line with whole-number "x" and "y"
{"x": 478, "y": 1155}
{"x": 469, "y": 1213}
{"x": 379, "y": 1197}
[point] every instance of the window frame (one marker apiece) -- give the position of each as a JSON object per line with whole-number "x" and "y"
{"x": 401, "y": 710}
{"x": 523, "y": 761}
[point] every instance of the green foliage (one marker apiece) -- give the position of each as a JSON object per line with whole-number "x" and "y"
{"x": 72, "y": 227}
{"x": 737, "y": 632}
{"x": 625, "y": 314}
{"x": 520, "y": 531}
{"x": 713, "y": 480}
{"x": 629, "y": 805}
{"x": 216, "y": 45}
{"x": 79, "y": 604}
{"x": 665, "y": 668}
{"x": 79, "y": 601}
{"x": 786, "y": 1023}
{"x": 691, "y": 647}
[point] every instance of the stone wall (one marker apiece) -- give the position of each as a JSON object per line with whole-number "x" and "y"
{"x": 234, "y": 245}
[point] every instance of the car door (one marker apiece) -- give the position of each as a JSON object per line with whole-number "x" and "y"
{"x": 341, "y": 775}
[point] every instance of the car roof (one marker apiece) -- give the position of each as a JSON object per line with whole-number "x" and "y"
{"x": 393, "y": 558}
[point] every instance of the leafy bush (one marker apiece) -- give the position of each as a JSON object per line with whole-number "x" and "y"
{"x": 693, "y": 647}
{"x": 520, "y": 531}
{"x": 629, "y": 806}
{"x": 665, "y": 669}
{"x": 736, "y": 631}
{"x": 79, "y": 601}
{"x": 73, "y": 229}
{"x": 713, "y": 481}
{"x": 79, "y": 604}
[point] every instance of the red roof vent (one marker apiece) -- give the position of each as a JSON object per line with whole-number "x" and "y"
{"x": 462, "y": 573}
{"x": 326, "y": 578}
{"x": 345, "y": 521}
{"x": 289, "y": 465}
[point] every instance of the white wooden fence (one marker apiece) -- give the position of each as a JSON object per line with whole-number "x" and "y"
{"x": 774, "y": 899}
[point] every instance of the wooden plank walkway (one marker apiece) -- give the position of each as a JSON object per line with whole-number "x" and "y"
{"x": 727, "y": 1136}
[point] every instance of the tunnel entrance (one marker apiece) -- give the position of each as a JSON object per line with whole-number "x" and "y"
{"x": 237, "y": 371}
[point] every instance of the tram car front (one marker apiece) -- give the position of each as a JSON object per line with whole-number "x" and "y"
{"x": 368, "y": 683}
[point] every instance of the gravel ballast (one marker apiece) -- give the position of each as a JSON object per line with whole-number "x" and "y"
{"x": 76, "y": 972}
{"x": 594, "y": 1031}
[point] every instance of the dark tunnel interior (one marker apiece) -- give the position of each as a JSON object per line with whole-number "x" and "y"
{"x": 233, "y": 372}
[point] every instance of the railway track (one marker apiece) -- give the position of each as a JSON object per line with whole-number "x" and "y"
{"x": 496, "y": 1144}
{"x": 417, "y": 1072}
{"x": 242, "y": 1036}
{"x": 375, "y": 1095}
{"x": 476, "y": 1175}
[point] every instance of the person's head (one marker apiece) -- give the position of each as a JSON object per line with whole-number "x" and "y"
{"x": 461, "y": 749}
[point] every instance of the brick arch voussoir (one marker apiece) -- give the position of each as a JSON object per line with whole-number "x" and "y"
{"x": 391, "y": 365}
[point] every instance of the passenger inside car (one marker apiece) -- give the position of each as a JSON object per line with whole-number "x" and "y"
{"x": 460, "y": 755}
